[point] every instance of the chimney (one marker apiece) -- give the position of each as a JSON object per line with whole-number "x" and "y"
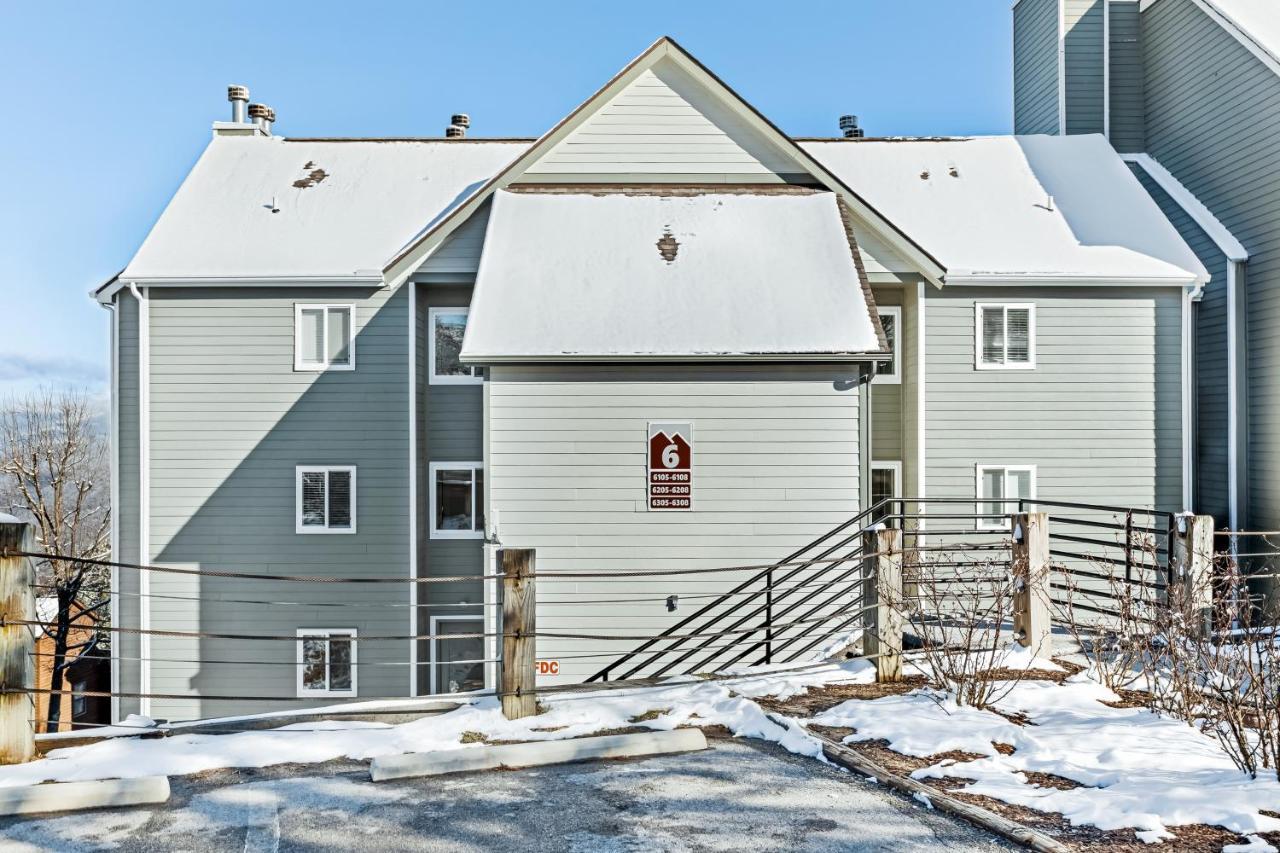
{"x": 239, "y": 97}
{"x": 849, "y": 127}
{"x": 458, "y": 124}
{"x": 263, "y": 115}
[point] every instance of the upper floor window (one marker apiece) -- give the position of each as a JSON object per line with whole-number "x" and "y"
{"x": 447, "y": 328}
{"x": 889, "y": 372}
{"x": 326, "y": 496}
{"x": 324, "y": 337}
{"x": 1000, "y": 490}
{"x": 457, "y": 500}
{"x": 1005, "y": 336}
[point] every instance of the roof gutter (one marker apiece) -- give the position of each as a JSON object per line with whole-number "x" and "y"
{"x": 107, "y": 291}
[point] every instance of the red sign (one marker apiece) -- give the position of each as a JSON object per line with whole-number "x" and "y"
{"x": 670, "y": 469}
{"x": 548, "y": 667}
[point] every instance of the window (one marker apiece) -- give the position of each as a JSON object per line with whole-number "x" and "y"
{"x": 889, "y": 372}
{"x": 447, "y": 328}
{"x": 1005, "y": 337}
{"x": 326, "y": 498}
{"x": 324, "y": 337}
{"x": 79, "y": 702}
{"x": 457, "y": 500}
{"x": 326, "y": 661}
{"x": 457, "y": 662}
{"x": 999, "y": 488}
{"x": 885, "y": 477}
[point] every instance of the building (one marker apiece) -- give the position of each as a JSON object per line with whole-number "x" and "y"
{"x": 336, "y": 357}
{"x": 1188, "y": 92}
{"x": 88, "y": 671}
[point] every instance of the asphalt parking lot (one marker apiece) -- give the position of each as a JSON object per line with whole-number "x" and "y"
{"x": 739, "y": 795}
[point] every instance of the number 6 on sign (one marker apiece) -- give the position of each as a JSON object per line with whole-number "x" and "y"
{"x": 669, "y": 450}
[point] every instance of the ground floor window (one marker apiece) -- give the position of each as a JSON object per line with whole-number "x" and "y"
{"x": 457, "y": 664}
{"x": 326, "y": 661}
{"x": 1000, "y": 487}
{"x": 457, "y": 500}
{"x": 886, "y": 479}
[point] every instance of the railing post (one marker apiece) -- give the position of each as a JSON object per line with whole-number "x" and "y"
{"x": 884, "y": 621}
{"x": 1191, "y": 571}
{"x": 519, "y": 652}
{"x": 1031, "y": 616}
{"x": 17, "y": 643}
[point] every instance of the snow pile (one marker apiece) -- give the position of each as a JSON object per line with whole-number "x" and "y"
{"x": 568, "y": 715}
{"x": 1138, "y": 770}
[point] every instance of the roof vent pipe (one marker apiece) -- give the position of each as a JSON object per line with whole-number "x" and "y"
{"x": 262, "y": 115}
{"x": 849, "y": 127}
{"x": 239, "y": 97}
{"x": 458, "y": 124}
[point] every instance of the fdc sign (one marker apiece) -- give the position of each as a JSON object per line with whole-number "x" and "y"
{"x": 670, "y": 474}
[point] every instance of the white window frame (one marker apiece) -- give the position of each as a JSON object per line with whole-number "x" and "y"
{"x": 978, "y": 363}
{"x": 890, "y": 465}
{"x": 983, "y": 523}
{"x": 437, "y": 533}
{"x": 895, "y": 378}
{"x": 326, "y": 633}
{"x": 320, "y": 367}
{"x": 476, "y": 377}
{"x": 298, "y": 471}
{"x": 433, "y": 653}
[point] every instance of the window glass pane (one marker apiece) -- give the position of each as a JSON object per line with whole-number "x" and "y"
{"x": 479, "y": 474}
{"x": 339, "y": 326}
{"x": 339, "y": 663}
{"x": 313, "y": 654}
{"x": 889, "y": 322}
{"x": 456, "y": 677}
{"x": 449, "y": 330}
{"x": 1019, "y": 484}
{"x": 313, "y": 499}
{"x": 311, "y": 335}
{"x": 453, "y": 500}
{"x": 339, "y": 498}
{"x": 992, "y": 336}
{"x": 1019, "y": 320}
{"x": 992, "y": 487}
{"x": 881, "y": 489}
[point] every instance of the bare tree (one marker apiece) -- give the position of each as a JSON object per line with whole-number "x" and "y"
{"x": 54, "y": 471}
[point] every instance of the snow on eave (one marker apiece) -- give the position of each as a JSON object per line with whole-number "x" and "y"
{"x": 1184, "y": 198}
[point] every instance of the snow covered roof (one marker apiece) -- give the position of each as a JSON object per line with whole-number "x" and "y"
{"x": 664, "y": 273}
{"x": 273, "y": 208}
{"x": 1036, "y": 207}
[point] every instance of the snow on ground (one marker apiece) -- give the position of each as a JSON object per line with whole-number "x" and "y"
{"x": 724, "y": 702}
{"x": 1138, "y": 770}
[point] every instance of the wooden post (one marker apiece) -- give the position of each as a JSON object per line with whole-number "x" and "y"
{"x": 1031, "y": 617}
{"x": 1191, "y": 571}
{"x": 519, "y": 650}
{"x": 884, "y": 619}
{"x": 17, "y": 643}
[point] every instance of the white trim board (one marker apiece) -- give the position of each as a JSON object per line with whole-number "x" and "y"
{"x": 1184, "y": 198}
{"x": 894, "y": 378}
{"x": 114, "y": 606}
{"x": 412, "y": 468}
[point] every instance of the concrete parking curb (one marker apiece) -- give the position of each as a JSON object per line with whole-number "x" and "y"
{"x": 77, "y": 796}
{"x": 535, "y": 754}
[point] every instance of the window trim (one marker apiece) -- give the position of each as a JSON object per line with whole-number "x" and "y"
{"x": 304, "y": 367}
{"x": 894, "y": 465}
{"x": 896, "y": 377}
{"x": 978, "y": 363}
{"x": 433, "y": 531}
{"x": 979, "y": 500}
{"x": 298, "y": 471}
{"x": 432, "y": 655}
{"x": 432, "y": 377}
{"x": 311, "y": 633}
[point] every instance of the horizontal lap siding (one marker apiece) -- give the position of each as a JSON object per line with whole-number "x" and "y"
{"x": 128, "y": 510}
{"x": 1035, "y": 66}
{"x": 230, "y": 419}
{"x": 775, "y": 465}
{"x": 1213, "y": 120}
{"x": 1100, "y": 414}
{"x": 1127, "y": 109}
{"x": 1082, "y": 41}
{"x": 460, "y": 252}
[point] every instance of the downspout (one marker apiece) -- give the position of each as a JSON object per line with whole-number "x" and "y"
{"x": 1237, "y": 390}
{"x": 867, "y": 374}
{"x": 144, "y": 495}
{"x": 1188, "y": 423}
{"x": 114, "y": 467}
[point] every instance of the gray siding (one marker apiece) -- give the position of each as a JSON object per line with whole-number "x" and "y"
{"x": 230, "y": 419}
{"x": 128, "y": 508}
{"x": 1083, "y": 46}
{"x": 451, "y": 419}
{"x": 1211, "y": 359}
{"x": 460, "y": 252}
{"x": 775, "y": 465}
{"x": 1127, "y": 108}
{"x": 886, "y": 399}
{"x": 1213, "y": 120}
{"x": 1100, "y": 414}
{"x": 1035, "y": 66}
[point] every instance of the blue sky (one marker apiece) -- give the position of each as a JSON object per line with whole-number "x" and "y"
{"x": 111, "y": 103}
